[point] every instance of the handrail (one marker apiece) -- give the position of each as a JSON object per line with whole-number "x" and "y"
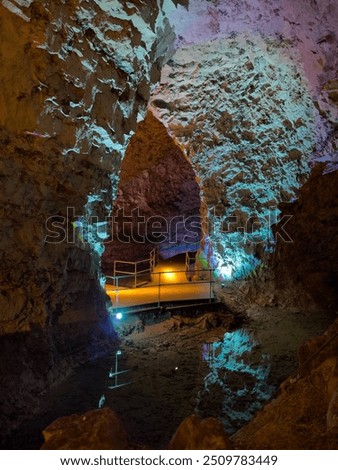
{"x": 128, "y": 274}
{"x": 152, "y": 260}
{"x": 152, "y": 263}
{"x": 160, "y": 284}
{"x": 132, "y": 262}
{"x": 131, "y": 274}
{"x": 189, "y": 258}
{"x": 160, "y": 275}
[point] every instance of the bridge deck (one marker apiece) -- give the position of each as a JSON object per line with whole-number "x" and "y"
{"x": 169, "y": 283}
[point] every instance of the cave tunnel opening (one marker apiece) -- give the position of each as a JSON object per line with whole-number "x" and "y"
{"x": 156, "y": 214}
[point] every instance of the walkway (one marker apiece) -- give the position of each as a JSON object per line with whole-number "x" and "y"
{"x": 169, "y": 283}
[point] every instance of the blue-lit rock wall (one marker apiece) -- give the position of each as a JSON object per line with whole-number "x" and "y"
{"x": 75, "y": 81}
{"x": 241, "y": 111}
{"x": 250, "y": 96}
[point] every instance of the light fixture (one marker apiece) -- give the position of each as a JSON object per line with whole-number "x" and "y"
{"x": 118, "y": 353}
{"x": 226, "y": 271}
{"x": 119, "y": 316}
{"x": 169, "y": 276}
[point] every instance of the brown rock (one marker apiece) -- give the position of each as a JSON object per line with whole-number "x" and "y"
{"x": 320, "y": 347}
{"x": 333, "y": 95}
{"x": 95, "y": 430}
{"x": 332, "y": 414}
{"x": 48, "y": 90}
{"x": 195, "y": 433}
{"x": 331, "y": 85}
{"x": 305, "y": 271}
{"x": 247, "y": 135}
{"x": 304, "y": 414}
{"x": 295, "y": 154}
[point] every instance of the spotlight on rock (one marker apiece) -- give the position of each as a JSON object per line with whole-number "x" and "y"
{"x": 226, "y": 272}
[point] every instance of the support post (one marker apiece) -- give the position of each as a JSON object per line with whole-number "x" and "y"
{"x": 117, "y": 291}
{"x": 116, "y": 369}
{"x": 159, "y": 290}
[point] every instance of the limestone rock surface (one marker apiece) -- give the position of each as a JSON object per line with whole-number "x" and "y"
{"x": 304, "y": 414}
{"x": 250, "y": 96}
{"x": 304, "y": 271}
{"x": 195, "y": 433}
{"x": 75, "y": 78}
{"x": 94, "y": 430}
{"x": 241, "y": 111}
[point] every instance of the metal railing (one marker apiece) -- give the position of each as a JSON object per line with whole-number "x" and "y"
{"x": 190, "y": 264}
{"x": 135, "y": 270}
{"x": 166, "y": 286}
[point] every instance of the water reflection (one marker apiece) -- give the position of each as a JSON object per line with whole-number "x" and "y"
{"x": 237, "y": 383}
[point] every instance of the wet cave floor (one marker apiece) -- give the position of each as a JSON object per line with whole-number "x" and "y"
{"x": 174, "y": 369}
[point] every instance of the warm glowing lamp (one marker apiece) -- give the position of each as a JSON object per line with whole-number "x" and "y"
{"x": 169, "y": 276}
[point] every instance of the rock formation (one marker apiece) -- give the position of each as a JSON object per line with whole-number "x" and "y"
{"x": 304, "y": 272}
{"x": 242, "y": 114}
{"x": 75, "y": 79}
{"x": 250, "y": 96}
{"x": 304, "y": 414}
{"x": 195, "y": 433}
{"x": 95, "y": 430}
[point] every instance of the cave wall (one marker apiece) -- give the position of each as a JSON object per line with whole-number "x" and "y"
{"x": 250, "y": 96}
{"x": 75, "y": 79}
{"x": 241, "y": 111}
{"x": 303, "y": 272}
{"x": 157, "y": 202}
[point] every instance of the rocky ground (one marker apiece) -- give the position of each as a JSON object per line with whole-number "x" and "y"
{"x": 304, "y": 415}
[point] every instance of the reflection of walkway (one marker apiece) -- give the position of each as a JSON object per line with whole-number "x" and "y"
{"x": 20, "y": 8}
{"x": 169, "y": 283}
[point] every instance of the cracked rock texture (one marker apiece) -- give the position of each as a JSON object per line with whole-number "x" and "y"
{"x": 241, "y": 112}
{"x": 195, "y": 433}
{"x": 75, "y": 78}
{"x": 251, "y": 98}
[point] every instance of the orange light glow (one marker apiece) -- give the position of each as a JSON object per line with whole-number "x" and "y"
{"x": 169, "y": 276}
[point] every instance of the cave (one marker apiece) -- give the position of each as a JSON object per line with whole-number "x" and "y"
{"x": 157, "y": 206}
{"x": 169, "y": 175}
